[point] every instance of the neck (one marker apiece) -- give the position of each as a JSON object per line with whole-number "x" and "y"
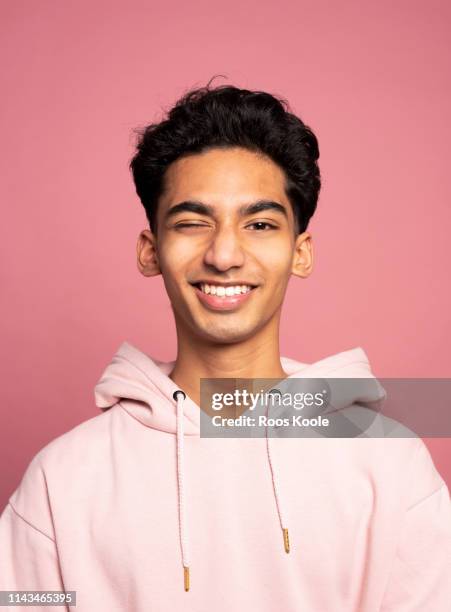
{"x": 255, "y": 357}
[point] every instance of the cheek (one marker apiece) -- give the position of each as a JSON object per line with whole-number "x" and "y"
{"x": 177, "y": 256}
{"x": 175, "y": 266}
{"x": 171, "y": 275}
{"x": 171, "y": 260}
{"x": 277, "y": 263}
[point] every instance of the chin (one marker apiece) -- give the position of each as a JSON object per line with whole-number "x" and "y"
{"x": 226, "y": 333}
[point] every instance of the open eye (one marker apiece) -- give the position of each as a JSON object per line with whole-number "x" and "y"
{"x": 260, "y": 223}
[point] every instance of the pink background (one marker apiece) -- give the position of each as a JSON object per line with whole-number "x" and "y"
{"x": 371, "y": 78}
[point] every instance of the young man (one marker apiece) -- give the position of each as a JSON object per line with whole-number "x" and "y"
{"x": 133, "y": 509}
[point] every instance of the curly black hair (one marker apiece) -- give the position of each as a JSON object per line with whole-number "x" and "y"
{"x": 223, "y": 117}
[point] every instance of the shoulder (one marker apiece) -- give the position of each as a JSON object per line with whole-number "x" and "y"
{"x": 424, "y": 477}
{"x": 86, "y": 436}
{"x": 67, "y": 455}
{"x": 403, "y": 466}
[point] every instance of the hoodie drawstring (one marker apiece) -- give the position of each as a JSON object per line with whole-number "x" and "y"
{"x": 286, "y": 541}
{"x": 179, "y": 396}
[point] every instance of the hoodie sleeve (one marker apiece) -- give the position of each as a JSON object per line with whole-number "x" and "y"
{"x": 28, "y": 552}
{"x": 420, "y": 577}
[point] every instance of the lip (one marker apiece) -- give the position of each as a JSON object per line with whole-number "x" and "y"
{"x": 233, "y": 283}
{"x": 228, "y": 302}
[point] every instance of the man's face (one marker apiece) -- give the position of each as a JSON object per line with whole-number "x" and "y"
{"x": 210, "y": 242}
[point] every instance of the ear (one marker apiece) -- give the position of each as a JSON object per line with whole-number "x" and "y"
{"x": 303, "y": 255}
{"x": 147, "y": 255}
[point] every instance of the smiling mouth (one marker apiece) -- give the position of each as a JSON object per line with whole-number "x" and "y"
{"x": 223, "y": 297}
{"x": 223, "y": 290}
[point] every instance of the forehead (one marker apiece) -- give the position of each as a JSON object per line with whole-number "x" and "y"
{"x": 223, "y": 175}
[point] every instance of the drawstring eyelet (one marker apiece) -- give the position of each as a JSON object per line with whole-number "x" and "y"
{"x": 174, "y": 395}
{"x": 275, "y": 391}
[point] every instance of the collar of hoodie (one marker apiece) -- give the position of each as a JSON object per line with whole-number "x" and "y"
{"x": 157, "y": 402}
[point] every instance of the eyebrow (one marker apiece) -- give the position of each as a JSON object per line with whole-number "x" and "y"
{"x": 209, "y": 211}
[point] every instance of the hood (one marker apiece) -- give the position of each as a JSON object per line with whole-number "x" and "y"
{"x": 142, "y": 386}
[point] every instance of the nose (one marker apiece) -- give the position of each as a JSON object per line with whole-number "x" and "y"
{"x": 225, "y": 250}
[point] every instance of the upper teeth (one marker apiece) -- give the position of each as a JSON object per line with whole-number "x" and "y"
{"x": 221, "y": 290}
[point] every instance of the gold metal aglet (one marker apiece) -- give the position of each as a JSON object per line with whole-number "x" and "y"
{"x": 186, "y": 577}
{"x": 286, "y": 541}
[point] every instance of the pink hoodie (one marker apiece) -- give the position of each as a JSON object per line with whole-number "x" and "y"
{"x": 116, "y": 508}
